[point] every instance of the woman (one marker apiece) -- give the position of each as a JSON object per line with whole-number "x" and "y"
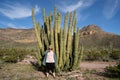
{"x": 49, "y": 61}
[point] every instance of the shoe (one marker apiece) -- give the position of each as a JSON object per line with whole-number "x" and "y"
{"x": 54, "y": 75}
{"x": 47, "y": 74}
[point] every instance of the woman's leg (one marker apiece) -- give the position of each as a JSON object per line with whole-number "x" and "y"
{"x": 47, "y": 69}
{"x": 53, "y": 69}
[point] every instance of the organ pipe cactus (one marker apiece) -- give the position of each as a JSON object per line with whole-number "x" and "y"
{"x": 61, "y": 49}
{"x": 69, "y": 42}
{"x": 65, "y": 40}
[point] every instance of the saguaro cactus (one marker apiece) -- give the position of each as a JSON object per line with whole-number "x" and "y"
{"x": 65, "y": 40}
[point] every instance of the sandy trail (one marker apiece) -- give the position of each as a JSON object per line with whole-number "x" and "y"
{"x": 95, "y": 65}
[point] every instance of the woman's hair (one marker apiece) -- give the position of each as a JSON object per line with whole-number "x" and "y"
{"x": 50, "y": 47}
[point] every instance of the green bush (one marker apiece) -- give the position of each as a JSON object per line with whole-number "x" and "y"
{"x": 115, "y": 54}
{"x": 93, "y": 55}
{"x": 113, "y": 71}
{"x": 105, "y": 56}
{"x": 101, "y": 54}
{"x": 13, "y": 55}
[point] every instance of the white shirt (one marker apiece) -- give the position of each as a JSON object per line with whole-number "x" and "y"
{"x": 50, "y": 57}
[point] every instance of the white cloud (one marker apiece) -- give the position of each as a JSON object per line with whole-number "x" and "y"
{"x": 16, "y": 11}
{"x": 81, "y": 4}
{"x": 111, "y": 8}
{"x": 72, "y": 7}
{"x": 11, "y": 25}
{"x": 37, "y": 9}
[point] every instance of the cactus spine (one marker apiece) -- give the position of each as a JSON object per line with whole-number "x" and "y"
{"x": 65, "y": 41}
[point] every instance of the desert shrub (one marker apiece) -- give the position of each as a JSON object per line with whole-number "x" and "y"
{"x": 101, "y": 54}
{"x": 13, "y": 55}
{"x": 115, "y": 54}
{"x": 113, "y": 71}
{"x": 93, "y": 55}
{"x": 105, "y": 56}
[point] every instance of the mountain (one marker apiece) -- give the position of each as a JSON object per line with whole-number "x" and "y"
{"x": 11, "y": 37}
{"x": 94, "y": 36}
{"x": 90, "y": 36}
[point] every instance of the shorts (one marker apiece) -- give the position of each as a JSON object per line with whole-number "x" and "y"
{"x": 50, "y": 66}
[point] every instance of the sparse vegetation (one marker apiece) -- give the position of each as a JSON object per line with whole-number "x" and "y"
{"x": 101, "y": 54}
{"x": 11, "y": 71}
{"x": 13, "y": 55}
{"x": 113, "y": 71}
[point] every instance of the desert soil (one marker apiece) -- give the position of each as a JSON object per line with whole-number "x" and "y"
{"x": 23, "y": 71}
{"x": 95, "y": 70}
{"x": 96, "y": 65}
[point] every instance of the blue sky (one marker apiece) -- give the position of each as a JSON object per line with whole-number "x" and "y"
{"x": 103, "y": 13}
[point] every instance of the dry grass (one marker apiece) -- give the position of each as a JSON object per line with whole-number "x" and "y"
{"x": 17, "y": 71}
{"x": 10, "y": 71}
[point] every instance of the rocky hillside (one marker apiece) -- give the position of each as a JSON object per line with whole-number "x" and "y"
{"x": 91, "y": 35}
{"x": 17, "y": 37}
